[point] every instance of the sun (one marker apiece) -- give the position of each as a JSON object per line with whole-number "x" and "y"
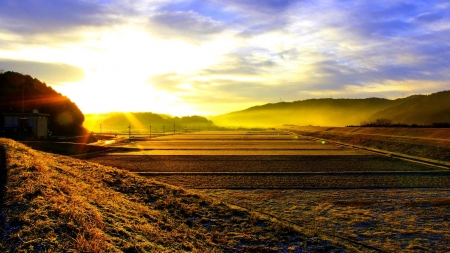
{"x": 118, "y": 73}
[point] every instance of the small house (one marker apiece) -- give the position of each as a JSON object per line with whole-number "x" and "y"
{"x": 22, "y": 126}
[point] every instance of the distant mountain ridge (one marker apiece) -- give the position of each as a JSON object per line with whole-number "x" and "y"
{"x": 416, "y": 109}
{"x": 141, "y": 121}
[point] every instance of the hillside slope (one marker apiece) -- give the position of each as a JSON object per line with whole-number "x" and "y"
{"x": 332, "y": 112}
{"x": 417, "y": 109}
{"x": 59, "y": 204}
{"x": 22, "y": 92}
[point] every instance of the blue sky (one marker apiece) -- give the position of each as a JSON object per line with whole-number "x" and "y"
{"x": 213, "y": 57}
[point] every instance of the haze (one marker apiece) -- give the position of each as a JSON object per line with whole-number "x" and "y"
{"x": 214, "y": 57}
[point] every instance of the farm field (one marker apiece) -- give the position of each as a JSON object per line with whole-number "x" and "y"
{"x": 390, "y": 220}
{"x": 430, "y": 143}
{"x": 384, "y": 203}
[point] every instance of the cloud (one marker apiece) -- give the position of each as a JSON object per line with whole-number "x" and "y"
{"x": 429, "y": 17}
{"x": 167, "y": 82}
{"x": 47, "y": 16}
{"x": 233, "y": 52}
{"x": 185, "y": 25}
{"x": 51, "y": 73}
{"x": 204, "y": 88}
{"x": 272, "y": 7}
{"x": 251, "y": 62}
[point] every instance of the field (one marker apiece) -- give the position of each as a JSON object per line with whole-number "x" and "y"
{"x": 376, "y": 200}
{"x": 428, "y": 143}
{"x": 55, "y": 203}
{"x": 394, "y": 220}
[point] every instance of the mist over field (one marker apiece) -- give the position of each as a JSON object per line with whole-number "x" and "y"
{"x": 413, "y": 110}
{"x": 417, "y": 109}
{"x": 142, "y": 121}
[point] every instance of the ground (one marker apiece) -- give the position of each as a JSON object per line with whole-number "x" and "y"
{"x": 374, "y": 200}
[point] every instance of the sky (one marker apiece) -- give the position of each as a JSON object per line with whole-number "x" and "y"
{"x": 212, "y": 57}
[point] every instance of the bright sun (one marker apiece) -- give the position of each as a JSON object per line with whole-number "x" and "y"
{"x": 118, "y": 73}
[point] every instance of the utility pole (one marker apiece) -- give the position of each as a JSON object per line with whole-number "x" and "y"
{"x": 129, "y": 132}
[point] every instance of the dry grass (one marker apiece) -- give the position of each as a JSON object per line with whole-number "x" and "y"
{"x": 59, "y": 204}
{"x": 408, "y": 220}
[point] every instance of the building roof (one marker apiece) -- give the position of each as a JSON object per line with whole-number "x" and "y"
{"x": 25, "y": 114}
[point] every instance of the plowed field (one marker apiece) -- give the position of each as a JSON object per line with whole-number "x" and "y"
{"x": 385, "y": 203}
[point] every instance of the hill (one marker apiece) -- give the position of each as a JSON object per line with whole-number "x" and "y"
{"x": 335, "y": 112}
{"x": 141, "y": 121}
{"x": 417, "y": 109}
{"x": 56, "y": 203}
{"x": 23, "y": 93}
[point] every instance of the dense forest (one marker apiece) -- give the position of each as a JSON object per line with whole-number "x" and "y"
{"x": 22, "y": 93}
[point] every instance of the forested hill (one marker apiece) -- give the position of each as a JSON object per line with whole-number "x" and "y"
{"x": 141, "y": 121}
{"x": 417, "y": 109}
{"x": 17, "y": 91}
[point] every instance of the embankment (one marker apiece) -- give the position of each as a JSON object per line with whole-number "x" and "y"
{"x": 3, "y": 181}
{"x": 427, "y": 143}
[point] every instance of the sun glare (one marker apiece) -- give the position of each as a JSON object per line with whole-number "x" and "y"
{"x": 118, "y": 73}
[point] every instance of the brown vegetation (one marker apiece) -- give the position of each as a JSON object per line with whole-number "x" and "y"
{"x": 56, "y": 203}
{"x": 395, "y": 220}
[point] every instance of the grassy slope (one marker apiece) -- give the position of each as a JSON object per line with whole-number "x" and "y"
{"x": 337, "y": 112}
{"x": 430, "y": 143}
{"x": 56, "y": 203}
{"x": 419, "y": 109}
